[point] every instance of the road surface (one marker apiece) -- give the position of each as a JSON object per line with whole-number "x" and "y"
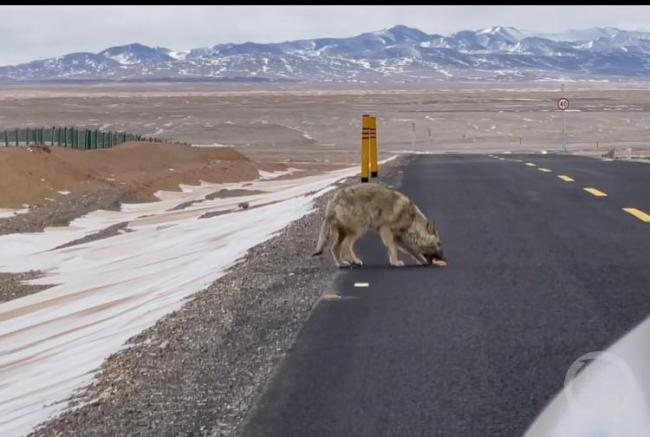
{"x": 540, "y": 272}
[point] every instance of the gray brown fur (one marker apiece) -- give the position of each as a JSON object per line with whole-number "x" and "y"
{"x": 356, "y": 209}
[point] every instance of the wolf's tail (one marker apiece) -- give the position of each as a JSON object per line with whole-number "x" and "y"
{"x": 323, "y": 236}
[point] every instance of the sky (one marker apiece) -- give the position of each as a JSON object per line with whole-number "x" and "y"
{"x": 37, "y": 32}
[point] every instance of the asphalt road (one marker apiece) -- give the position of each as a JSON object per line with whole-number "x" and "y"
{"x": 540, "y": 272}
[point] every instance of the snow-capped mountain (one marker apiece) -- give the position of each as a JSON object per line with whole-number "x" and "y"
{"x": 136, "y": 54}
{"x": 399, "y": 54}
{"x": 594, "y": 33}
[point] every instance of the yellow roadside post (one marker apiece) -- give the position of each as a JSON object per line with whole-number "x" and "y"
{"x": 373, "y": 147}
{"x": 365, "y": 146}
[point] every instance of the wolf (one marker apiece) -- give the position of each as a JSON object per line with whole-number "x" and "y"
{"x": 355, "y": 209}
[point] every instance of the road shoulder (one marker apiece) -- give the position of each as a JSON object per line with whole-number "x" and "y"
{"x": 199, "y": 370}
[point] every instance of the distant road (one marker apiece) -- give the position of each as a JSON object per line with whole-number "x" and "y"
{"x": 541, "y": 271}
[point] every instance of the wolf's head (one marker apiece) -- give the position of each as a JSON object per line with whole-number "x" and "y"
{"x": 423, "y": 238}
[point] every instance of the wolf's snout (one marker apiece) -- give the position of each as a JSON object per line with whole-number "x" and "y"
{"x": 436, "y": 259}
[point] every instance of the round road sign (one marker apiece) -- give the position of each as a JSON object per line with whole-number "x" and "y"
{"x": 563, "y": 104}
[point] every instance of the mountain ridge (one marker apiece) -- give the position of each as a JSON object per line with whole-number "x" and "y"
{"x": 396, "y": 54}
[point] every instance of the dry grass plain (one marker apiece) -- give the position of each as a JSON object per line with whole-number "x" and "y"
{"x": 300, "y": 122}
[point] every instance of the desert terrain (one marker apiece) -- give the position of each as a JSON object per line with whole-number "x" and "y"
{"x": 283, "y": 122}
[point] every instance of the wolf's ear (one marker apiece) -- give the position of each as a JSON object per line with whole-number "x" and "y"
{"x": 431, "y": 228}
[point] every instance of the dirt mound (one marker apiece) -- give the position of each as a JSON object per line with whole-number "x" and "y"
{"x": 31, "y": 176}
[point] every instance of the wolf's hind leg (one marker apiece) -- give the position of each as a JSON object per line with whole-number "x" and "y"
{"x": 338, "y": 235}
{"x": 389, "y": 241}
{"x": 348, "y": 247}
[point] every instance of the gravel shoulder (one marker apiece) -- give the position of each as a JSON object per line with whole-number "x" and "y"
{"x": 198, "y": 371}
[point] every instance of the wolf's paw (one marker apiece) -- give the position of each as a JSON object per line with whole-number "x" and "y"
{"x": 357, "y": 262}
{"x": 344, "y": 264}
{"x": 398, "y": 263}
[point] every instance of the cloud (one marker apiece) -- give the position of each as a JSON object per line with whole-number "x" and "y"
{"x": 36, "y": 32}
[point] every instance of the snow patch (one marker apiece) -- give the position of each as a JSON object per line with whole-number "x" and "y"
{"x": 214, "y": 145}
{"x": 266, "y": 175}
{"x": 6, "y": 212}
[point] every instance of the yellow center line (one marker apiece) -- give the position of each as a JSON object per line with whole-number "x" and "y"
{"x": 530, "y": 164}
{"x": 595, "y": 192}
{"x": 638, "y": 214}
{"x": 565, "y": 178}
{"x": 545, "y": 170}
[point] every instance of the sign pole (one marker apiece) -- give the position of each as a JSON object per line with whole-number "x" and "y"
{"x": 563, "y": 131}
{"x": 563, "y": 124}
{"x": 563, "y": 105}
{"x": 413, "y": 135}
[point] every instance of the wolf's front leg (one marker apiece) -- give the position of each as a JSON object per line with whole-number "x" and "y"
{"x": 417, "y": 256}
{"x": 389, "y": 241}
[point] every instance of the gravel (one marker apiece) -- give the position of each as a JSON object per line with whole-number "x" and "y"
{"x": 65, "y": 209}
{"x": 104, "y": 233}
{"x": 223, "y": 193}
{"x": 12, "y": 286}
{"x": 198, "y": 371}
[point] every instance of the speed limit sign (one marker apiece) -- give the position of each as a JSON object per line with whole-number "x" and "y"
{"x": 563, "y": 104}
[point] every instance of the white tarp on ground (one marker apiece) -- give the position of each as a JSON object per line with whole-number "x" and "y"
{"x": 54, "y": 341}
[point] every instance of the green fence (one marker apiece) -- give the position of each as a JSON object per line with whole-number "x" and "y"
{"x": 70, "y": 137}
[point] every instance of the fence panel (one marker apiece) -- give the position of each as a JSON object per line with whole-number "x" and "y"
{"x": 71, "y": 137}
